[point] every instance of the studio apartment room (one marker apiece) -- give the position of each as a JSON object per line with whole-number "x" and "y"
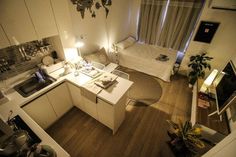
{"x": 117, "y": 78}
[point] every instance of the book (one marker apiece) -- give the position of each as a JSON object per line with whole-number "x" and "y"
{"x": 203, "y": 103}
{"x": 162, "y": 57}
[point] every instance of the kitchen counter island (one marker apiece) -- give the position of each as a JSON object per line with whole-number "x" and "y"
{"x": 110, "y": 102}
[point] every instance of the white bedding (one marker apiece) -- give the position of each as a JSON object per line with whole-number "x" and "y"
{"x": 141, "y": 57}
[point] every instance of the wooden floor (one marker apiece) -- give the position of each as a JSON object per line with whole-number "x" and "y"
{"x": 142, "y": 134}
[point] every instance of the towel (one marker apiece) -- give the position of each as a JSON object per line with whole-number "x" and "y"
{"x": 90, "y": 91}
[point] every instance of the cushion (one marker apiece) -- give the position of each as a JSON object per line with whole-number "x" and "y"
{"x": 125, "y": 43}
{"x": 99, "y": 56}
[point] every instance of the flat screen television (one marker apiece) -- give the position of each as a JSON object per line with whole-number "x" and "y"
{"x": 226, "y": 88}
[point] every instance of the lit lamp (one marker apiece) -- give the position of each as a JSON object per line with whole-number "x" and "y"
{"x": 78, "y": 45}
{"x": 208, "y": 82}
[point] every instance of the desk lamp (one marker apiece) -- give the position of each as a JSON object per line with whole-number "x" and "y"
{"x": 78, "y": 45}
{"x": 208, "y": 82}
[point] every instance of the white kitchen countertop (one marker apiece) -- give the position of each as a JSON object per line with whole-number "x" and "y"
{"x": 111, "y": 95}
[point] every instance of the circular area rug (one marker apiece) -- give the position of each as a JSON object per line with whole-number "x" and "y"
{"x": 146, "y": 90}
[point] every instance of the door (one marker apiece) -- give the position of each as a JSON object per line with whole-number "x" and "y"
{"x": 41, "y": 111}
{"x": 16, "y": 21}
{"x": 60, "y": 99}
{"x": 42, "y": 16}
{"x": 76, "y": 96}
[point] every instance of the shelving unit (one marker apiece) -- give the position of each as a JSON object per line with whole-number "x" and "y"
{"x": 199, "y": 115}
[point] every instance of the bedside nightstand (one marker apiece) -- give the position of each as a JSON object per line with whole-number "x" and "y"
{"x": 175, "y": 68}
{"x": 115, "y": 56}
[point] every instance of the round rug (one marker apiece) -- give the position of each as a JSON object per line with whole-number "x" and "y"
{"x": 145, "y": 90}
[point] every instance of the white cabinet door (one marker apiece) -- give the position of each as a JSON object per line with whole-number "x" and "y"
{"x": 41, "y": 111}
{"x": 42, "y": 16}
{"x": 112, "y": 115}
{"x": 90, "y": 107}
{"x": 16, "y": 21}
{"x": 60, "y": 99}
{"x": 3, "y": 39}
{"x": 76, "y": 96}
{"x": 61, "y": 9}
{"x": 105, "y": 113}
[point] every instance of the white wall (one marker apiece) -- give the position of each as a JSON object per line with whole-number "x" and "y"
{"x": 222, "y": 47}
{"x": 101, "y": 32}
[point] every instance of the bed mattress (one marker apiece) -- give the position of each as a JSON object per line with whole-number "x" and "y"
{"x": 142, "y": 57}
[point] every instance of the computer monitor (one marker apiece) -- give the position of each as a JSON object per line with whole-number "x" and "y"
{"x": 226, "y": 88}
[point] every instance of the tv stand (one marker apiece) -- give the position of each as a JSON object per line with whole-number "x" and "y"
{"x": 201, "y": 116}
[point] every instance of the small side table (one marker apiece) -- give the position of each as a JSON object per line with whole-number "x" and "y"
{"x": 176, "y": 68}
{"x": 115, "y": 56}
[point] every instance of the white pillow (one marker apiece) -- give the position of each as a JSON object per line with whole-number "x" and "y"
{"x": 126, "y": 43}
{"x": 131, "y": 40}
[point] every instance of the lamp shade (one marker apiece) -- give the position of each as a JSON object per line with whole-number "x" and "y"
{"x": 79, "y": 44}
{"x": 209, "y": 80}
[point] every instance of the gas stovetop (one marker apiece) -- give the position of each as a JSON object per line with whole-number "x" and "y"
{"x": 21, "y": 125}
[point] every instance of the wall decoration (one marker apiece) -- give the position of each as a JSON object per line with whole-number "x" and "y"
{"x": 82, "y": 5}
{"x": 206, "y": 31}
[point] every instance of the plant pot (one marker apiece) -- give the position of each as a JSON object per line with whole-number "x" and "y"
{"x": 192, "y": 80}
{"x": 179, "y": 149}
{"x": 190, "y": 85}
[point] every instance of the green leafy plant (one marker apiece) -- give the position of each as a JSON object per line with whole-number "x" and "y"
{"x": 198, "y": 64}
{"x": 184, "y": 136}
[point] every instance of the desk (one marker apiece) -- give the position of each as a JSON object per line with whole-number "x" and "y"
{"x": 200, "y": 115}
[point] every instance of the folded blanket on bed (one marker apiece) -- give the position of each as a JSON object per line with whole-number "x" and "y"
{"x": 162, "y": 57}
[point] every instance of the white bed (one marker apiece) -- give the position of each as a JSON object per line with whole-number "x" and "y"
{"x": 141, "y": 57}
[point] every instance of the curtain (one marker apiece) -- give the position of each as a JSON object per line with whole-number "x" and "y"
{"x": 176, "y": 22}
{"x": 150, "y": 20}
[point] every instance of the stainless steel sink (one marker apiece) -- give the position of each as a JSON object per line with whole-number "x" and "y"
{"x": 32, "y": 85}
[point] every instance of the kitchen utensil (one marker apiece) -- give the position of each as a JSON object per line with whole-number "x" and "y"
{"x": 54, "y": 54}
{"x": 21, "y": 53}
{"x": 44, "y": 151}
{"x": 48, "y": 60}
{"x": 15, "y": 144}
{"x": 27, "y": 58}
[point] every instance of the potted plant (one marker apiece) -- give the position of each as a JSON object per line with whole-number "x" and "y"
{"x": 198, "y": 64}
{"x": 185, "y": 139}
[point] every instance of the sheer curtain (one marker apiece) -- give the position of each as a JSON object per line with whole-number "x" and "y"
{"x": 176, "y": 20}
{"x": 150, "y": 20}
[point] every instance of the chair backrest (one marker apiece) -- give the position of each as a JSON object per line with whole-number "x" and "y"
{"x": 120, "y": 74}
{"x": 110, "y": 67}
{"x": 98, "y": 65}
